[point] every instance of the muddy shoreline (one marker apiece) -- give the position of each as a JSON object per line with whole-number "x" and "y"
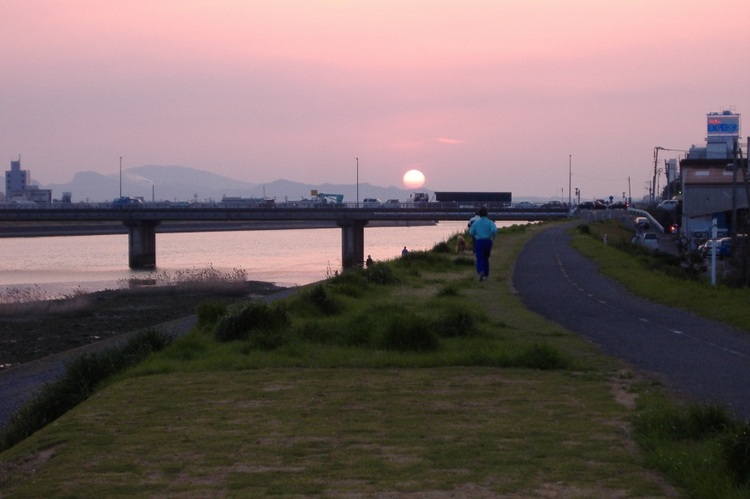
{"x": 31, "y": 331}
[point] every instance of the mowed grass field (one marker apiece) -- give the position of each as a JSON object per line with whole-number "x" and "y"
{"x": 410, "y": 378}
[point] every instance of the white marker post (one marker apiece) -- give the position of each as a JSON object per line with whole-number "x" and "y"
{"x": 713, "y": 251}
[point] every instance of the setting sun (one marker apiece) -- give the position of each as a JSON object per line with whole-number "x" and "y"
{"x": 413, "y": 179}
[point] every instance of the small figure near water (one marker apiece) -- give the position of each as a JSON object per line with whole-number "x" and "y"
{"x": 404, "y": 251}
{"x": 460, "y": 245}
{"x": 368, "y": 262}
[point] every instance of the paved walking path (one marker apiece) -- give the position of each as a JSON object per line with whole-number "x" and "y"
{"x": 706, "y": 360}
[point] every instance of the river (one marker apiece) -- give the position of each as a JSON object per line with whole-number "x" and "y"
{"x": 55, "y": 266}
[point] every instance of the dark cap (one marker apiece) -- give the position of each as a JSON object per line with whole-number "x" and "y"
{"x": 482, "y": 211}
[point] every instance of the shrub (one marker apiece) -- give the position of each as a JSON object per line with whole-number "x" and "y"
{"x": 463, "y": 260}
{"x": 442, "y": 247}
{"x": 208, "y": 313}
{"x": 692, "y": 423}
{"x": 409, "y": 334}
{"x": 360, "y": 331}
{"x": 240, "y": 321}
{"x": 737, "y": 455}
{"x": 314, "y": 331}
{"x": 542, "y": 356}
{"x": 456, "y": 322}
{"x": 379, "y": 273}
{"x": 448, "y": 290}
{"x": 322, "y": 300}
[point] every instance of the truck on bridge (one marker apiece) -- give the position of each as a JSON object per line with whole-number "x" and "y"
{"x": 476, "y": 199}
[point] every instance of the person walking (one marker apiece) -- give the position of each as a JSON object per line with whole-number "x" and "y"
{"x": 484, "y": 232}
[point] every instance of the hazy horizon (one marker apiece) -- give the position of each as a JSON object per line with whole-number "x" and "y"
{"x": 493, "y": 95}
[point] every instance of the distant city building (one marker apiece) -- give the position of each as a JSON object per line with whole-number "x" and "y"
{"x": 723, "y": 133}
{"x": 18, "y": 186}
{"x": 714, "y": 180}
{"x": 16, "y": 179}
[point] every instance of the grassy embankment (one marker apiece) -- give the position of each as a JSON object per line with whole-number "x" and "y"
{"x": 411, "y": 376}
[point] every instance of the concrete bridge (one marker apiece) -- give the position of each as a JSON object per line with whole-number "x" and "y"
{"x": 141, "y": 221}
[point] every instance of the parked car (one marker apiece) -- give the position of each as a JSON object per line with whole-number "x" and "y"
{"x": 525, "y": 205}
{"x": 641, "y": 223}
{"x": 599, "y": 204}
{"x": 723, "y": 247}
{"x": 586, "y": 205}
{"x": 619, "y": 205}
{"x": 554, "y": 205}
{"x": 392, "y": 203}
{"x": 668, "y": 205}
{"x": 650, "y": 240}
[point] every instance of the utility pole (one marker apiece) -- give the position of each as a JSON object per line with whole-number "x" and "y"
{"x": 120, "y": 176}
{"x": 653, "y": 182}
{"x": 570, "y": 176}
{"x": 357, "y": 182}
{"x": 734, "y": 187}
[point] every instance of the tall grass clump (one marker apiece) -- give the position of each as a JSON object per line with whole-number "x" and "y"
{"x": 417, "y": 261}
{"x": 409, "y": 334}
{"x": 736, "y": 450}
{"x": 208, "y": 279}
{"x": 542, "y": 356}
{"x": 32, "y": 300}
{"x": 242, "y": 321}
{"x": 702, "y": 448}
{"x": 455, "y": 321}
{"x": 209, "y": 313}
{"x": 443, "y": 247}
{"x": 464, "y": 261}
{"x": 379, "y": 273}
{"x": 82, "y": 377}
{"x": 321, "y": 300}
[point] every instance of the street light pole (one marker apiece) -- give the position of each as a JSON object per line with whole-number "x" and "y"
{"x": 120, "y": 176}
{"x": 570, "y": 176}
{"x": 357, "y": 182}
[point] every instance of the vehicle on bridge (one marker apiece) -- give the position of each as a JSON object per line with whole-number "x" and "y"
{"x": 372, "y": 203}
{"x": 325, "y": 198}
{"x": 476, "y": 199}
{"x": 127, "y": 202}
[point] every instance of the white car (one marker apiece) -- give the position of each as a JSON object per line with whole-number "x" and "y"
{"x": 372, "y": 203}
{"x": 668, "y": 205}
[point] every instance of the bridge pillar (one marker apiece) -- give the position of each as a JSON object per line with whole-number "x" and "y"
{"x": 352, "y": 242}
{"x": 142, "y": 243}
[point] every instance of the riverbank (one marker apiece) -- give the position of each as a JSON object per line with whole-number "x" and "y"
{"x": 30, "y": 331}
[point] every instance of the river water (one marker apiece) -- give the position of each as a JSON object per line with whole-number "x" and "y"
{"x": 55, "y": 266}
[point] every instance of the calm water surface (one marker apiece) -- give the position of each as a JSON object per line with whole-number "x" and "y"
{"x": 59, "y": 265}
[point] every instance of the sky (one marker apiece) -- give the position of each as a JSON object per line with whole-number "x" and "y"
{"x": 533, "y": 97}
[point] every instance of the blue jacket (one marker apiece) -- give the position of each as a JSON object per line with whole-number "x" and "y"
{"x": 483, "y": 228}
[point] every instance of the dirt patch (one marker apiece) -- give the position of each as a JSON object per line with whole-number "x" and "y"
{"x": 34, "y": 330}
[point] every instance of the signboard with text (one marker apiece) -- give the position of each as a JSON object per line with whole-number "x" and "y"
{"x": 724, "y": 125}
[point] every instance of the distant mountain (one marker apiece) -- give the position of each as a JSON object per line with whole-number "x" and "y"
{"x": 179, "y": 183}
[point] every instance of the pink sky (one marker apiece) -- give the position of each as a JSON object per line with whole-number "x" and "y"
{"x": 483, "y": 95}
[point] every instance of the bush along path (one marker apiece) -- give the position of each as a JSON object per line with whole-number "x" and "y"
{"x": 406, "y": 377}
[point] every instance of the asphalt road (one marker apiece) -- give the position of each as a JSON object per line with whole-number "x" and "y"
{"x": 705, "y": 360}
